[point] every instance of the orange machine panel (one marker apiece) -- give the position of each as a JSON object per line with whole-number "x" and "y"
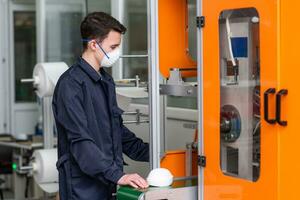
{"x": 289, "y": 71}
{"x": 173, "y": 37}
{"x": 175, "y": 161}
{"x": 217, "y": 185}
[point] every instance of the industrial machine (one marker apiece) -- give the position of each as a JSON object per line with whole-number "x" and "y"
{"x": 246, "y": 85}
{"x": 246, "y": 91}
{"x": 249, "y": 86}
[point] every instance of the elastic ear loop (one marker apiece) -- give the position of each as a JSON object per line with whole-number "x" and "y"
{"x": 87, "y": 40}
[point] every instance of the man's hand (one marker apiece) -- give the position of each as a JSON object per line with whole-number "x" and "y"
{"x": 134, "y": 180}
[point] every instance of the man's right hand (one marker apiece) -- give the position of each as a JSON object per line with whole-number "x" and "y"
{"x": 134, "y": 180}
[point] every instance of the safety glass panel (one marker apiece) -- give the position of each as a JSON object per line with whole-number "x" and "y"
{"x": 98, "y": 6}
{"x": 24, "y": 53}
{"x": 63, "y": 40}
{"x": 136, "y": 39}
{"x": 240, "y": 93}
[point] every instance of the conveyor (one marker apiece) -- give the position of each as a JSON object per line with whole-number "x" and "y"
{"x": 178, "y": 191}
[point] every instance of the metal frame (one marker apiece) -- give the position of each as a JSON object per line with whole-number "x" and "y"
{"x": 4, "y": 38}
{"x": 163, "y": 127}
{"x": 200, "y": 101}
{"x": 41, "y": 30}
{"x": 41, "y": 55}
{"x": 117, "y": 10}
{"x": 13, "y": 105}
{"x": 154, "y": 79}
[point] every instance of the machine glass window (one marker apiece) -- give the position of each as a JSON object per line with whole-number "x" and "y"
{"x": 63, "y": 40}
{"x": 24, "y": 53}
{"x": 135, "y": 40}
{"x": 96, "y": 6}
{"x": 240, "y": 123}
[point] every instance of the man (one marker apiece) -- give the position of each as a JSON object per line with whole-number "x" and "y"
{"x": 91, "y": 134}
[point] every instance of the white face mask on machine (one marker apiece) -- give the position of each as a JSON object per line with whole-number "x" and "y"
{"x": 110, "y": 58}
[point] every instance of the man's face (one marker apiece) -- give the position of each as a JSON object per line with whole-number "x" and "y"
{"x": 110, "y": 43}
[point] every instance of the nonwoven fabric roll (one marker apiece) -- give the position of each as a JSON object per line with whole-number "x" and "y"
{"x": 44, "y": 169}
{"x": 45, "y": 77}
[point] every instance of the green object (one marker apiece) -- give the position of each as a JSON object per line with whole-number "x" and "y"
{"x": 128, "y": 193}
{"x": 14, "y": 166}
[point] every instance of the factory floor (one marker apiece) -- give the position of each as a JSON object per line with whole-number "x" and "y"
{"x": 8, "y": 195}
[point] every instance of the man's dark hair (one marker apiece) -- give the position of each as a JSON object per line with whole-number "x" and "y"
{"x": 97, "y": 25}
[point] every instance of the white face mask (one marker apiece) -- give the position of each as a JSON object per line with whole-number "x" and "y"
{"x": 110, "y": 58}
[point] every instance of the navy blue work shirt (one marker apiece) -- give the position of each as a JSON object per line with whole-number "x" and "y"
{"x": 91, "y": 134}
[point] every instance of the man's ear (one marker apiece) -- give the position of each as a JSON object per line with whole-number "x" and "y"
{"x": 93, "y": 45}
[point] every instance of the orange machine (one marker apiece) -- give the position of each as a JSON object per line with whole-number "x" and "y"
{"x": 250, "y": 71}
{"x": 277, "y": 173}
{"x": 173, "y": 37}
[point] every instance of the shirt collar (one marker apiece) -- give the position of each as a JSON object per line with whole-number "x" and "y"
{"x": 105, "y": 75}
{"x": 87, "y": 68}
{"x": 93, "y": 73}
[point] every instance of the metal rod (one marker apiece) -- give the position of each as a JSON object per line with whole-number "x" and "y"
{"x": 118, "y": 11}
{"x": 26, "y": 168}
{"x": 48, "y": 122}
{"x": 185, "y": 178}
{"x": 188, "y": 160}
{"x": 130, "y": 113}
{"x": 154, "y": 78}
{"x": 136, "y": 122}
{"x": 200, "y": 99}
{"x": 134, "y": 113}
{"x": 163, "y": 124}
{"x": 188, "y": 69}
{"x": 134, "y": 56}
{"x": 136, "y": 80}
{"x": 27, "y": 80}
{"x": 125, "y": 80}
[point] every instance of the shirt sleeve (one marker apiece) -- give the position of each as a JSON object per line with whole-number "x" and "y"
{"x": 71, "y": 115}
{"x": 133, "y": 146}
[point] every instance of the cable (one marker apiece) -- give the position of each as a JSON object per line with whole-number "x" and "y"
{"x": 229, "y": 41}
{"x": 256, "y": 127}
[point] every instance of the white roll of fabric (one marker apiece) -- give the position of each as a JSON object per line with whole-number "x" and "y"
{"x": 44, "y": 169}
{"x": 46, "y": 75}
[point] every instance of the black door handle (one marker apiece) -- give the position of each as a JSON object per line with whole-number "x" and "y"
{"x": 266, "y": 105}
{"x": 281, "y": 93}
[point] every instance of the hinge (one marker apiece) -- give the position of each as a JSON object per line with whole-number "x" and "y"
{"x": 201, "y": 161}
{"x": 200, "y": 21}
